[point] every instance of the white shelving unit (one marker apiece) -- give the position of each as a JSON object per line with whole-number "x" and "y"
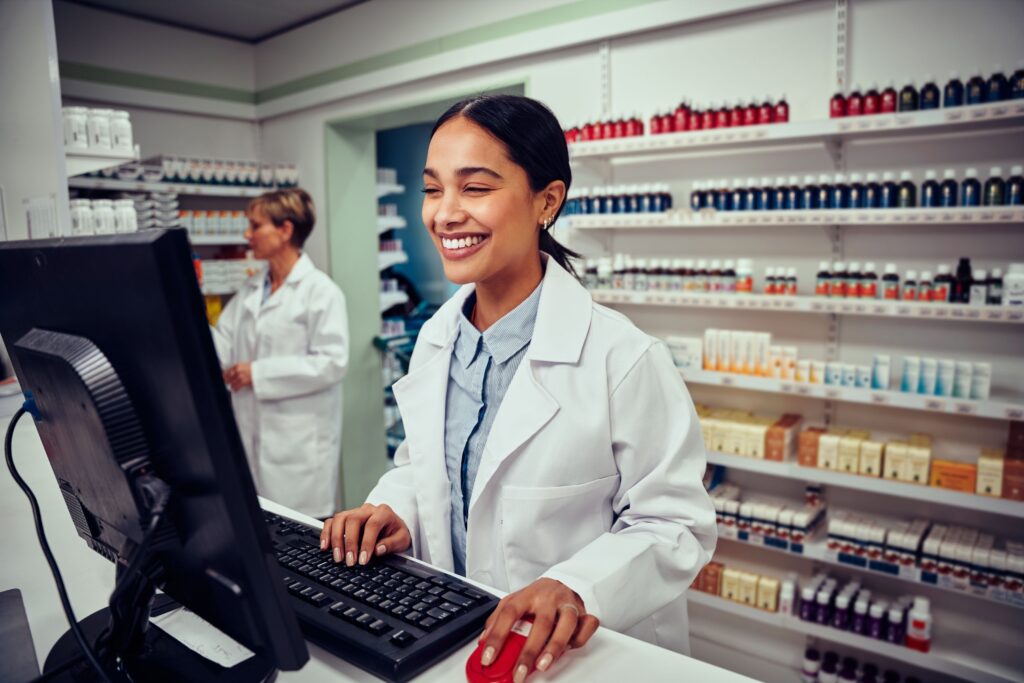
{"x": 384, "y": 189}
{"x": 386, "y": 259}
{"x": 88, "y": 183}
{"x": 888, "y": 487}
{"x": 820, "y": 305}
{"x": 216, "y": 240}
{"x": 389, "y": 299}
{"x": 680, "y": 219}
{"x": 940, "y": 660}
{"x": 78, "y": 162}
{"x": 219, "y": 291}
{"x": 939, "y": 122}
{"x": 1005, "y": 408}
{"x": 385, "y": 223}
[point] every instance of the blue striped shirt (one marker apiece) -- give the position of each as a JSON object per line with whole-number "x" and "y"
{"x": 482, "y": 367}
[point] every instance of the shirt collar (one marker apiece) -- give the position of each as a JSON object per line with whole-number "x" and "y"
{"x": 503, "y": 339}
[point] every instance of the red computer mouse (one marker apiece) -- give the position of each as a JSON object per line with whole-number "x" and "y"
{"x": 501, "y": 670}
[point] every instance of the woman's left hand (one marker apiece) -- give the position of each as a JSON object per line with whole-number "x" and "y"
{"x": 239, "y": 376}
{"x": 560, "y": 620}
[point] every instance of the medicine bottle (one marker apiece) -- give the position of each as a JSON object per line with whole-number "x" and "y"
{"x": 924, "y": 287}
{"x": 837, "y": 106}
{"x": 793, "y": 193}
{"x": 828, "y": 673}
{"x": 729, "y": 277}
{"x": 745, "y": 276}
{"x": 942, "y": 285}
{"x": 787, "y": 598}
{"x": 979, "y": 288}
{"x": 872, "y": 192}
{"x": 766, "y": 112}
{"x": 791, "y": 283}
{"x": 995, "y": 287}
{"x": 1013, "y": 285}
{"x": 822, "y": 280}
{"x": 98, "y": 126}
{"x": 855, "y": 102}
{"x": 781, "y": 111}
{"x": 887, "y": 196}
{"x": 997, "y": 88}
{"x": 919, "y": 626}
{"x": 930, "y": 97}
{"x": 908, "y": 98}
{"x": 765, "y": 198}
{"x": 103, "y": 216}
{"x": 876, "y": 619}
{"x": 906, "y": 197}
{"x": 824, "y": 190}
{"x": 975, "y": 91}
{"x": 1015, "y": 186}
{"x": 930, "y": 190}
{"x": 853, "y": 276}
{"x": 697, "y": 196}
{"x": 1017, "y": 82}
{"x": 736, "y": 114}
{"x": 837, "y": 284}
{"x": 823, "y": 605}
{"x": 76, "y": 134}
{"x": 970, "y": 188}
{"x": 770, "y": 282}
{"x": 750, "y": 196}
{"x": 722, "y": 115}
{"x": 953, "y": 93}
{"x": 995, "y": 188}
{"x": 779, "y": 193}
{"x": 841, "y": 614}
{"x": 840, "y": 198}
{"x": 888, "y": 99}
{"x": 869, "y": 281}
{"x": 872, "y": 101}
{"x": 81, "y": 217}
{"x": 680, "y": 117}
{"x": 910, "y": 286}
{"x": 121, "y": 132}
{"x": 811, "y": 666}
{"x": 962, "y": 282}
{"x": 809, "y": 194}
{"x": 715, "y": 276}
{"x": 859, "y": 621}
{"x": 948, "y": 190}
{"x": 739, "y": 195}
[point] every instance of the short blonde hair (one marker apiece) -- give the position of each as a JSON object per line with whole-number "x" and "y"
{"x": 293, "y": 205}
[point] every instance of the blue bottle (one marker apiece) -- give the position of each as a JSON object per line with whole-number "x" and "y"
{"x": 750, "y": 195}
{"x": 930, "y": 190}
{"x": 857, "y": 191}
{"x": 619, "y": 200}
{"x": 840, "y": 195}
{"x": 1017, "y": 82}
{"x": 930, "y": 95}
{"x": 953, "y": 93}
{"x": 976, "y": 90}
{"x": 697, "y": 196}
{"x": 779, "y": 193}
{"x": 711, "y": 194}
{"x": 997, "y": 88}
{"x": 739, "y": 195}
{"x": 793, "y": 194}
{"x": 824, "y": 190}
{"x": 723, "y": 200}
{"x": 970, "y": 188}
{"x": 597, "y": 201}
{"x": 1015, "y": 186}
{"x": 809, "y": 194}
{"x": 872, "y": 192}
{"x": 948, "y": 190}
{"x": 887, "y": 197}
{"x": 765, "y": 198}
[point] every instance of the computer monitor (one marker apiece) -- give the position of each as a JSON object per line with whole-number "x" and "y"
{"x": 109, "y": 335}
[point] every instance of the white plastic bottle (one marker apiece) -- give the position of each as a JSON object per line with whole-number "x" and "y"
{"x": 1013, "y": 285}
{"x": 919, "y": 626}
{"x": 979, "y": 288}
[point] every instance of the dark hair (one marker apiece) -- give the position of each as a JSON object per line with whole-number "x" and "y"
{"x": 293, "y": 204}
{"x": 535, "y": 142}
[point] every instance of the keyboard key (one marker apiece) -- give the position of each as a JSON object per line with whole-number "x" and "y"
{"x": 413, "y": 616}
{"x": 430, "y": 599}
{"x": 438, "y": 614}
{"x": 315, "y": 574}
{"x": 473, "y": 594}
{"x": 391, "y": 583}
{"x": 407, "y": 601}
{"x": 428, "y": 623}
{"x": 394, "y": 595}
{"x": 307, "y": 592}
{"x": 411, "y": 581}
{"x": 351, "y": 613}
{"x": 364, "y": 619}
{"x": 360, "y": 594}
{"x": 319, "y": 599}
{"x": 379, "y": 627}
{"x": 424, "y": 585}
{"x": 403, "y": 639}
{"x": 449, "y": 607}
{"x": 416, "y": 594}
{"x": 459, "y": 600}
{"x": 437, "y": 590}
{"x": 349, "y": 588}
{"x": 337, "y": 584}
{"x": 387, "y": 604}
{"x": 421, "y": 607}
{"x": 373, "y": 599}
{"x": 399, "y": 610}
{"x": 338, "y": 608}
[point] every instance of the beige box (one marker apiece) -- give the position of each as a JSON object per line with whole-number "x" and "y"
{"x": 990, "y": 472}
{"x": 897, "y": 464}
{"x": 731, "y": 584}
{"x": 748, "y": 588}
{"x": 849, "y": 454}
{"x": 919, "y": 459}
{"x": 768, "y": 594}
{"x": 828, "y": 451}
{"x": 871, "y": 458}
{"x": 711, "y": 349}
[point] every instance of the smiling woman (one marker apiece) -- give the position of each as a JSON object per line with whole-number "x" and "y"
{"x": 564, "y": 464}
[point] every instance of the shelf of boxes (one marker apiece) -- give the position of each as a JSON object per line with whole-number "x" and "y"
{"x": 940, "y": 122}
{"x": 384, "y": 189}
{"x": 1006, "y": 408}
{"x": 888, "y": 487}
{"x": 811, "y": 304}
{"x": 709, "y": 218}
{"x": 217, "y": 240}
{"x": 389, "y": 299}
{"x": 385, "y": 223}
{"x": 78, "y": 162}
{"x": 387, "y": 259}
{"x": 188, "y": 189}
{"x": 939, "y": 659}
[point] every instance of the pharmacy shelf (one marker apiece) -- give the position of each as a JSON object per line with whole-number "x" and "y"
{"x": 385, "y": 223}
{"x": 78, "y": 162}
{"x": 939, "y": 122}
{"x": 940, "y": 660}
{"x": 816, "y": 552}
{"x": 684, "y": 219}
{"x": 387, "y": 259}
{"x": 219, "y": 291}
{"x": 856, "y": 482}
{"x": 216, "y": 240}
{"x": 389, "y": 299}
{"x": 1008, "y": 408}
{"x": 384, "y": 189}
{"x": 188, "y": 189}
{"x": 810, "y": 304}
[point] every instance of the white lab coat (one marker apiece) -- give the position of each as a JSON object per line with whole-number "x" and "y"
{"x": 591, "y": 474}
{"x": 290, "y": 419}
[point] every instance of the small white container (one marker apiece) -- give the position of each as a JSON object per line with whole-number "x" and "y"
{"x": 98, "y": 127}
{"x": 881, "y": 372}
{"x": 863, "y": 376}
{"x": 121, "y": 132}
{"x": 929, "y": 373}
{"x": 1013, "y": 285}
{"x": 81, "y": 217}
{"x": 125, "y": 219}
{"x": 946, "y": 378}
{"x": 103, "y": 217}
{"x": 911, "y": 374}
{"x": 849, "y": 375}
{"x": 76, "y": 134}
{"x": 266, "y": 176}
{"x": 962, "y": 379}
{"x": 981, "y": 381}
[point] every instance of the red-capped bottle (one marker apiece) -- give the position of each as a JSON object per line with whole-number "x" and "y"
{"x": 888, "y": 99}
{"x": 571, "y": 135}
{"x": 708, "y": 118}
{"x": 872, "y": 101}
{"x": 750, "y": 114}
{"x": 736, "y": 115}
{"x": 587, "y": 134}
{"x": 618, "y": 128}
{"x": 782, "y": 110}
{"x": 667, "y": 123}
{"x": 722, "y": 118}
{"x": 765, "y": 112}
{"x": 629, "y": 127}
{"x": 656, "y": 124}
{"x": 837, "y": 106}
{"x": 607, "y": 130}
{"x": 855, "y": 102}
{"x": 680, "y": 116}
{"x": 696, "y": 120}
{"x": 639, "y": 123}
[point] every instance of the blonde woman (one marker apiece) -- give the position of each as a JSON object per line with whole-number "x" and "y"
{"x": 283, "y": 344}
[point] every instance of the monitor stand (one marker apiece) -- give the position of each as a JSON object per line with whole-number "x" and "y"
{"x": 162, "y": 660}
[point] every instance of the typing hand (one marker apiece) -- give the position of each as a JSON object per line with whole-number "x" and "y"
{"x": 369, "y": 530}
{"x": 559, "y": 620}
{"x": 239, "y": 376}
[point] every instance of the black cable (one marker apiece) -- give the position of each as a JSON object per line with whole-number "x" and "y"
{"x": 65, "y": 602}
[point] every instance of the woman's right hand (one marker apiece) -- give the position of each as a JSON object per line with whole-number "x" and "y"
{"x": 365, "y": 532}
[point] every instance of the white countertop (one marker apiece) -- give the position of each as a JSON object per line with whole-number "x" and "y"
{"x": 609, "y": 656}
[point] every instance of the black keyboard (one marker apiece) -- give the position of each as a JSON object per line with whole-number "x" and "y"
{"x": 393, "y": 617}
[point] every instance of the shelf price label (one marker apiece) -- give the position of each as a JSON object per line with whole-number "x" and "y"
{"x": 786, "y": 388}
{"x": 803, "y": 390}
{"x": 965, "y": 408}
{"x": 935, "y": 404}
{"x": 1014, "y": 413}
{"x": 879, "y": 399}
{"x": 726, "y": 380}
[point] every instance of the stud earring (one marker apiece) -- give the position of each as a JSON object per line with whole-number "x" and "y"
{"x": 547, "y": 222}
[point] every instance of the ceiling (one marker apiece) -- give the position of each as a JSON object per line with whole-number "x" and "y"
{"x": 250, "y": 21}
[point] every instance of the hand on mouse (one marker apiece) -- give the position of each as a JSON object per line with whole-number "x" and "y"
{"x": 560, "y": 620}
{"x": 365, "y": 532}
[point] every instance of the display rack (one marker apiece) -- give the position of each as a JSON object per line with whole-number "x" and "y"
{"x": 384, "y": 189}
{"x": 188, "y": 189}
{"x": 940, "y": 660}
{"x": 219, "y": 291}
{"x": 877, "y": 485}
{"x": 78, "y": 162}
{"x": 217, "y": 240}
{"x": 389, "y": 299}
{"x": 387, "y": 259}
{"x": 1009, "y": 216}
{"x": 820, "y": 305}
{"x": 385, "y": 223}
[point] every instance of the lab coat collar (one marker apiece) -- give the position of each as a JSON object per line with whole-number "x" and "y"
{"x": 563, "y": 317}
{"x": 254, "y": 297}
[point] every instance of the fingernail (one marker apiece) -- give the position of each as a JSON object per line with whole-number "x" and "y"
{"x": 520, "y": 675}
{"x": 487, "y": 657}
{"x": 337, "y": 555}
{"x": 544, "y": 662}
{"x": 350, "y": 559}
{"x": 381, "y": 549}
{"x": 323, "y": 544}
{"x": 363, "y": 558}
